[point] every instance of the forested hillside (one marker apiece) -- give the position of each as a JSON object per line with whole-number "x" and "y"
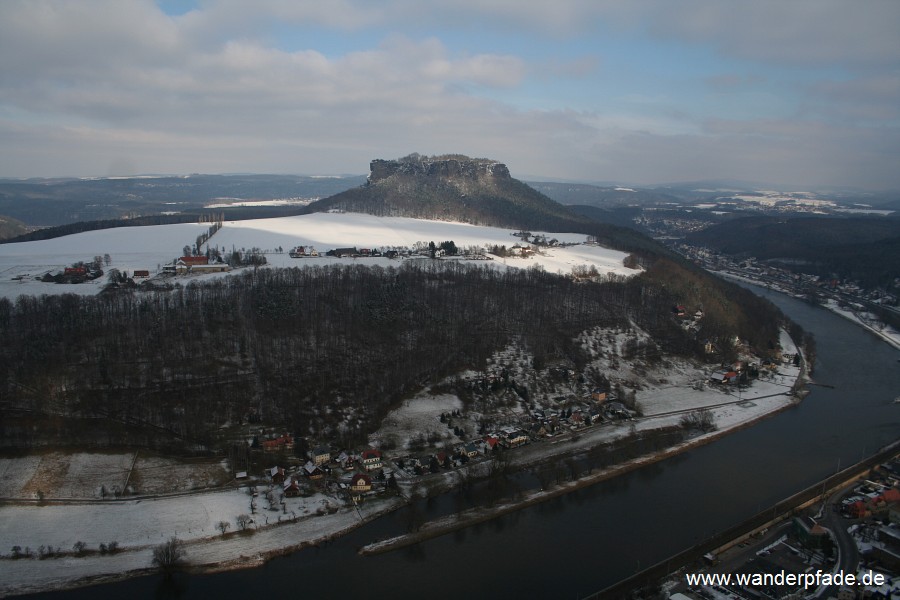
{"x": 321, "y": 351}
{"x": 862, "y": 249}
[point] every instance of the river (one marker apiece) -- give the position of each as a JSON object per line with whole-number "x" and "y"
{"x": 579, "y": 544}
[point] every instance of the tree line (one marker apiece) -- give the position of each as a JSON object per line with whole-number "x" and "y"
{"x": 324, "y": 351}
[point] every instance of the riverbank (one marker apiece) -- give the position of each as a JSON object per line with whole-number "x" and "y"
{"x": 885, "y": 332}
{"x": 208, "y": 554}
{"x": 766, "y": 405}
{"x": 474, "y": 516}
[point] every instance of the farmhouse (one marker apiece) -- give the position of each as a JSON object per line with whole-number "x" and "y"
{"x": 211, "y": 268}
{"x": 284, "y": 441}
{"x": 343, "y": 252}
{"x": 193, "y": 260}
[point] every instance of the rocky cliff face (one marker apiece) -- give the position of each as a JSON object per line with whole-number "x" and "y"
{"x": 451, "y": 168}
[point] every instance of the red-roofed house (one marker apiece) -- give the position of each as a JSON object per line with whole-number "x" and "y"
{"x": 889, "y": 496}
{"x": 194, "y": 260}
{"x": 283, "y": 441}
{"x": 858, "y": 510}
{"x": 291, "y": 488}
{"x": 371, "y": 459}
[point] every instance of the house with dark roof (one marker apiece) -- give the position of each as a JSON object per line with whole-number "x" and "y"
{"x": 321, "y": 455}
{"x": 277, "y": 474}
{"x": 361, "y": 482}
{"x": 313, "y": 471}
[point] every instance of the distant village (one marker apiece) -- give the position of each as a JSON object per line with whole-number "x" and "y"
{"x": 814, "y": 288}
{"x": 306, "y": 467}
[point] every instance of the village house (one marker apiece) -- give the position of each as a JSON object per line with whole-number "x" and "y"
{"x": 184, "y": 264}
{"x": 320, "y": 456}
{"x": 345, "y": 460}
{"x": 886, "y": 553}
{"x": 724, "y": 377}
{"x": 291, "y": 488}
{"x": 193, "y": 260}
{"x": 277, "y": 443}
{"x": 512, "y": 437}
{"x": 277, "y": 474}
{"x": 470, "y": 449}
{"x": 371, "y": 459}
{"x": 313, "y": 471}
{"x": 598, "y": 395}
{"x": 361, "y": 482}
{"x": 211, "y": 268}
{"x": 343, "y": 252}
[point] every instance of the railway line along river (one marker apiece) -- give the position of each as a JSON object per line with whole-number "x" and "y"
{"x": 579, "y": 543}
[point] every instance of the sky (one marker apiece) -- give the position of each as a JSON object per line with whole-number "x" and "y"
{"x": 804, "y": 93}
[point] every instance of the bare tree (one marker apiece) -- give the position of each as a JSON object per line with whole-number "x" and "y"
{"x": 223, "y": 526}
{"x": 168, "y": 555}
{"x": 243, "y": 521}
{"x": 701, "y": 419}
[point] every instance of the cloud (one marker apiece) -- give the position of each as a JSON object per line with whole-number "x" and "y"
{"x": 90, "y": 87}
{"x": 822, "y": 33}
{"x": 870, "y": 98}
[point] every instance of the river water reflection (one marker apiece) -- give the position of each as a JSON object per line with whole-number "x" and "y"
{"x": 578, "y": 544}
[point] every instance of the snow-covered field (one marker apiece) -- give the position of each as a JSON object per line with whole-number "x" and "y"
{"x": 91, "y": 475}
{"x": 139, "y": 525}
{"x": 418, "y": 416}
{"x": 151, "y": 247}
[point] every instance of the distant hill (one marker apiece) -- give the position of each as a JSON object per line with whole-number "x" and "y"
{"x": 857, "y": 248}
{"x": 605, "y": 197}
{"x": 10, "y": 228}
{"x": 454, "y": 187}
{"x": 54, "y": 202}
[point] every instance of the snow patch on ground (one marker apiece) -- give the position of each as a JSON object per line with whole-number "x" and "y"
{"x": 419, "y": 415}
{"x": 149, "y": 248}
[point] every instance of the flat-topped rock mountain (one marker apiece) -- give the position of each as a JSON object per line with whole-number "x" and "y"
{"x": 455, "y": 166}
{"x": 453, "y": 187}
